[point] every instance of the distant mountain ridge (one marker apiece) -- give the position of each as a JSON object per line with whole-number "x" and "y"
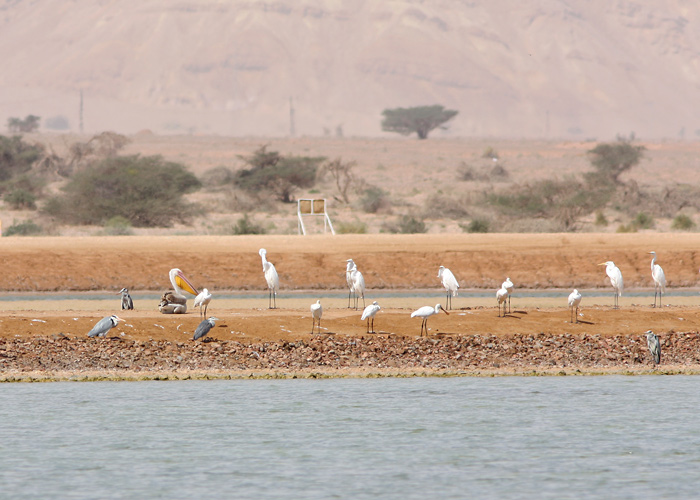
{"x": 512, "y": 69}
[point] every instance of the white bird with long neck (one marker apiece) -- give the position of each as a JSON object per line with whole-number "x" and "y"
{"x": 358, "y": 286}
{"x": 659, "y": 277}
{"x": 369, "y": 313}
{"x": 424, "y": 313}
{"x": 501, "y": 297}
{"x": 508, "y": 286}
{"x": 450, "y": 283}
{"x": 175, "y": 302}
{"x": 316, "y": 313}
{"x": 616, "y": 281}
{"x": 574, "y": 301}
{"x": 272, "y": 279}
{"x": 348, "y": 278}
{"x": 202, "y": 301}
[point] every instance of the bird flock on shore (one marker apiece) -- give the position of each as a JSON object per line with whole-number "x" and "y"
{"x": 175, "y": 301}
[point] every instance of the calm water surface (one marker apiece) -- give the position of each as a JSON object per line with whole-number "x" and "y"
{"x": 419, "y": 438}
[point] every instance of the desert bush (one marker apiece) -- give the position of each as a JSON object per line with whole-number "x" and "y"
{"x": 24, "y": 228}
{"x": 411, "y": 225}
{"x": 643, "y": 221}
{"x": 476, "y": 226}
{"x": 20, "y": 199}
{"x": 147, "y": 191}
{"x": 374, "y": 199}
{"x": 439, "y": 205}
{"x": 218, "y": 177}
{"x": 610, "y": 160}
{"x": 468, "y": 173}
{"x": 499, "y": 174}
{"x": 628, "y": 228}
{"x": 600, "y": 219}
{"x": 682, "y": 222}
{"x": 246, "y": 226}
{"x": 17, "y": 156}
{"x": 118, "y": 226}
{"x": 354, "y": 227}
{"x": 491, "y": 153}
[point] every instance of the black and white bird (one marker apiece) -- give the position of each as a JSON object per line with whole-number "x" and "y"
{"x": 654, "y": 346}
{"x": 104, "y": 325}
{"x": 203, "y": 328}
{"x": 127, "y": 303}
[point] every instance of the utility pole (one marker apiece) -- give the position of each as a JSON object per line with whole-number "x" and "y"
{"x": 292, "y": 131}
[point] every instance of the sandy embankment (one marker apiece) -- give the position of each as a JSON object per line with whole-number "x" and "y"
{"x": 250, "y": 340}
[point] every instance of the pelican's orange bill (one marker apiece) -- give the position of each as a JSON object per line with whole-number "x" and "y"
{"x": 185, "y": 284}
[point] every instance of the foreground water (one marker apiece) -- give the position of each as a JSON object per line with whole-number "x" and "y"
{"x": 515, "y": 437}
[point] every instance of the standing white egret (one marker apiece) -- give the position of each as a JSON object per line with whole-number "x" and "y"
{"x": 450, "y": 283}
{"x": 424, "y": 313}
{"x": 616, "y": 281}
{"x": 654, "y": 346}
{"x": 104, "y": 325}
{"x": 358, "y": 286}
{"x": 127, "y": 303}
{"x": 657, "y": 273}
{"x": 348, "y": 278}
{"x": 369, "y": 313}
{"x": 202, "y": 300}
{"x": 203, "y": 328}
{"x": 316, "y": 313}
{"x": 273, "y": 280}
{"x": 501, "y": 297}
{"x": 508, "y": 285}
{"x": 574, "y": 301}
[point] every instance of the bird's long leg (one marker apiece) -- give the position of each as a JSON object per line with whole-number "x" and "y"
{"x": 274, "y": 299}
{"x": 372, "y": 325}
{"x": 313, "y": 324}
{"x": 205, "y": 310}
{"x": 363, "y": 301}
{"x": 508, "y": 304}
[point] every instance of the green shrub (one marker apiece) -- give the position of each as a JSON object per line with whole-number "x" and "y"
{"x": 489, "y": 152}
{"x": 411, "y": 225}
{"x": 147, "y": 191}
{"x": 476, "y": 226}
{"x": 374, "y": 199}
{"x": 17, "y": 156}
{"x": 643, "y": 221}
{"x": 218, "y": 177}
{"x": 118, "y": 226}
{"x": 355, "y": 227}
{"x": 600, "y": 219}
{"x": 24, "y": 228}
{"x": 682, "y": 222}
{"x": 245, "y": 226}
{"x": 629, "y": 228}
{"x": 20, "y": 199}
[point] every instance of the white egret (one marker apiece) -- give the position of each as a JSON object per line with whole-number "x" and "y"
{"x": 508, "y": 285}
{"x": 273, "y": 280}
{"x": 202, "y": 300}
{"x": 316, "y": 313}
{"x": 358, "y": 286}
{"x": 424, "y": 313}
{"x": 104, "y": 325}
{"x": 654, "y": 346}
{"x": 175, "y": 302}
{"x": 450, "y": 283}
{"x": 369, "y": 313}
{"x": 616, "y": 281}
{"x": 574, "y": 301}
{"x": 657, "y": 273}
{"x": 127, "y": 303}
{"x": 203, "y": 328}
{"x": 348, "y": 278}
{"x": 501, "y": 297}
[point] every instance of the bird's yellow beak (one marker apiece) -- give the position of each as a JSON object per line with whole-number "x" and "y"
{"x": 185, "y": 284}
{"x": 602, "y": 264}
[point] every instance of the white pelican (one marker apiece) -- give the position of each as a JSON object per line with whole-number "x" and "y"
{"x": 424, "y": 313}
{"x": 501, "y": 296}
{"x": 574, "y": 301}
{"x": 127, "y": 303}
{"x": 204, "y": 327}
{"x": 369, "y": 313}
{"x": 450, "y": 283}
{"x": 508, "y": 285}
{"x": 316, "y": 313}
{"x": 273, "y": 280}
{"x": 202, "y": 300}
{"x": 175, "y": 302}
{"x": 348, "y": 278}
{"x": 616, "y": 281}
{"x": 657, "y": 273}
{"x": 358, "y": 285}
{"x": 104, "y": 325}
{"x": 654, "y": 346}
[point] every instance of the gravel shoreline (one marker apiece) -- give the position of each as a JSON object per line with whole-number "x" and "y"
{"x": 60, "y": 357}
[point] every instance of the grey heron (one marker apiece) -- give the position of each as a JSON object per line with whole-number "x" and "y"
{"x": 273, "y": 280}
{"x": 127, "y": 303}
{"x": 450, "y": 283}
{"x": 104, "y": 325}
{"x": 654, "y": 346}
{"x": 316, "y": 313}
{"x": 574, "y": 301}
{"x": 616, "y": 281}
{"x": 203, "y": 328}
{"x": 175, "y": 302}
{"x": 369, "y": 313}
{"x": 424, "y": 313}
{"x": 657, "y": 274}
{"x": 202, "y": 300}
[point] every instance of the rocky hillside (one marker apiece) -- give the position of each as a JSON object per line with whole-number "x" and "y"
{"x": 515, "y": 69}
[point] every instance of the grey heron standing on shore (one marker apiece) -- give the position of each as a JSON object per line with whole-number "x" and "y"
{"x": 104, "y": 325}
{"x": 127, "y": 303}
{"x": 203, "y": 328}
{"x": 654, "y": 346}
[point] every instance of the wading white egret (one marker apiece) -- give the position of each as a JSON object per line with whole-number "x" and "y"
{"x": 508, "y": 285}
{"x": 127, "y": 303}
{"x": 657, "y": 274}
{"x": 574, "y": 301}
{"x": 424, "y": 313}
{"x": 202, "y": 300}
{"x": 654, "y": 346}
{"x": 316, "y": 313}
{"x": 450, "y": 283}
{"x": 358, "y": 286}
{"x": 369, "y": 313}
{"x": 348, "y": 279}
{"x": 203, "y": 328}
{"x": 273, "y": 280}
{"x": 501, "y": 297}
{"x": 104, "y": 325}
{"x": 616, "y": 281}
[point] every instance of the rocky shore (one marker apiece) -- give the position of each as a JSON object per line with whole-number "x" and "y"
{"x": 60, "y": 357}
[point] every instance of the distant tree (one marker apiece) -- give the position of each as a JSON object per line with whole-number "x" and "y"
{"x": 420, "y": 119}
{"x": 17, "y": 156}
{"x": 342, "y": 175}
{"x": 29, "y": 124}
{"x": 611, "y": 159}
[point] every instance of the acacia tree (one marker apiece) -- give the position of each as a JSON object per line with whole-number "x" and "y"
{"x": 611, "y": 159}
{"x": 29, "y": 124}
{"x": 419, "y": 119}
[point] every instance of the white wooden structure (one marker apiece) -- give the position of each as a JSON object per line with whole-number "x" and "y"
{"x": 314, "y": 208}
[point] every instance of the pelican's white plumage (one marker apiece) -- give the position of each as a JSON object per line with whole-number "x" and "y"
{"x": 175, "y": 302}
{"x": 449, "y": 282}
{"x": 272, "y": 279}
